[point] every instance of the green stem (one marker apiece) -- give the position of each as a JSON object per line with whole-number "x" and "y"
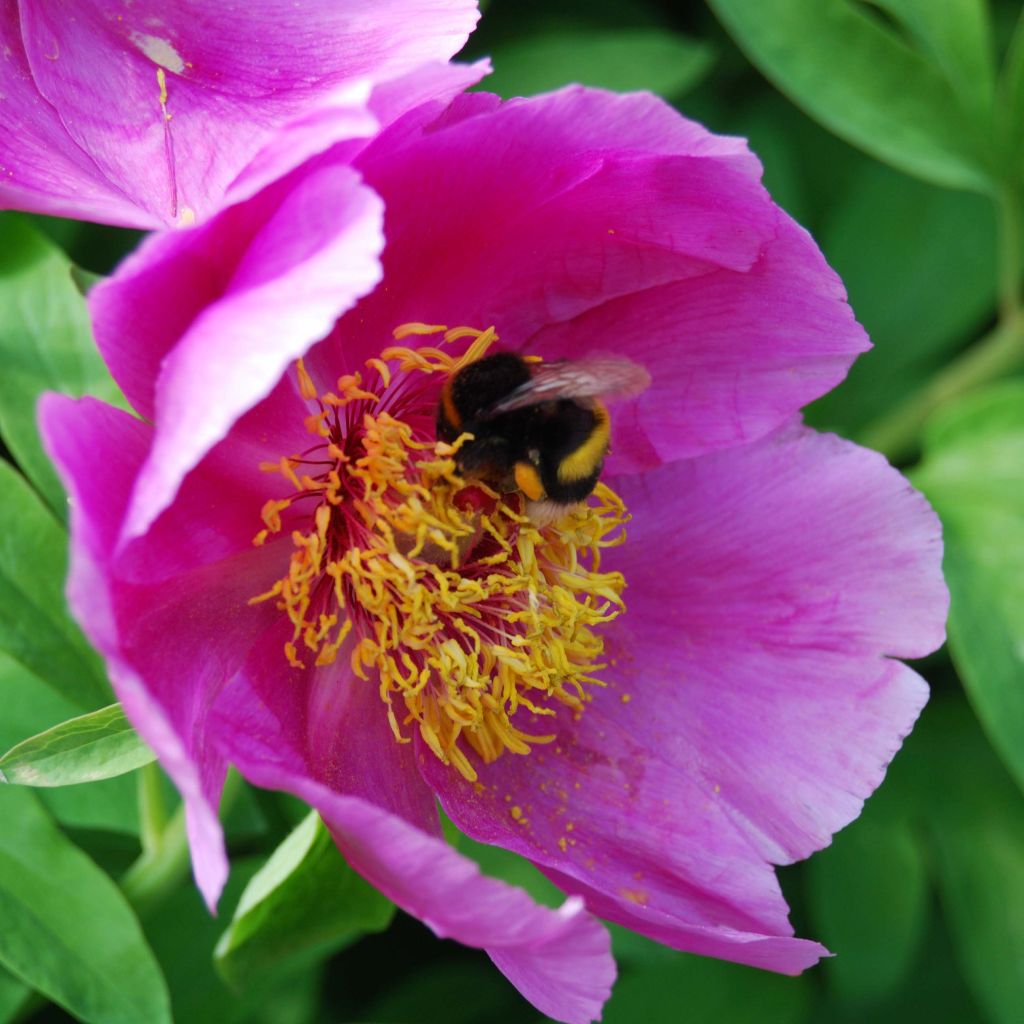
{"x": 152, "y": 806}
{"x": 164, "y": 865}
{"x": 898, "y": 433}
{"x": 1002, "y": 351}
{"x": 1010, "y": 255}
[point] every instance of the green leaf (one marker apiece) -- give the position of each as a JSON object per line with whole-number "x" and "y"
{"x": 957, "y": 36}
{"x": 35, "y": 629}
{"x": 920, "y": 266}
{"x": 1010, "y": 107}
{"x": 972, "y": 474}
{"x": 977, "y": 830}
{"x": 869, "y": 904}
{"x": 858, "y": 77}
{"x": 13, "y": 994}
{"x": 304, "y": 898}
{"x": 31, "y": 706}
{"x": 99, "y": 745}
{"x": 45, "y": 344}
{"x": 67, "y": 930}
{"x": 625, "y": 60}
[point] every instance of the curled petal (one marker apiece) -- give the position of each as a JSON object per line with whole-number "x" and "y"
{"x": 199, "y": 325}
{"x": 560, "y": 960}
{"x": 581, "y": 223}
{"x": 152, "y": 108}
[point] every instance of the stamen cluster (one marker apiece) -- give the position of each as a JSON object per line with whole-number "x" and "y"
{"x": 470, "y": 617}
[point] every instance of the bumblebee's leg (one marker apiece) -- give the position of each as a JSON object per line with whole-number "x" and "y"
{"x": 528, "y": 481}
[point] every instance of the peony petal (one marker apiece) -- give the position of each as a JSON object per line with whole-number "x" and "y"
{"x": 346, "y": 119}
{"x": 731, "y": 354}
{"x": 532, "y": 212}
{"x": 750, "y": 706}
{"x": 168, "y": 644}
{"x": 663, "y": 246}
{"x": 324, "y": 722}
{"x": 165, "y": 103}
{"x": 288, "y": 262}
{"x": 41, "y": 167}
{"x": 560, "y": 960}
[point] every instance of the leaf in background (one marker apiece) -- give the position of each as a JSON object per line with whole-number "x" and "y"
{"x": 455, "y": 991}
{"x": 13, "y": 994}
{"x": 31, "y": 706}
{"x": 99, "y": 745}
{"x": 45, "y": 344}
{"x": 977, "y": 828}
{"x": 869, "y": 904}
{"x": 957, "y": 36}
{"x": 35, "y": 629}
{"x": 919, "y": 264}
{"x": 305, "y": 897}
{"x": 696, "y": 990}
{"x": 183, "y": 935}
{"x": 973, "y": 472}
{"x": 661, "y": 61}
{"x": 862, "y": 81}
{"x": 1010, "y": 107}
{"x": 67, "y": 930}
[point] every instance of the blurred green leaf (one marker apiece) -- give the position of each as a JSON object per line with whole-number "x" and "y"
{"x": 636, "y": 58}
{"x": 957, "y": 36}
{"x": 973, "y": 472}
{"x": 31, "y": 706}
{"x": 35, "y": 629}
{"x": 695, "y": 990}
{"x": 99, "y": 745}
{"x": 13, "y": 994}
{"x": 452, "y": 992}
{"x": 183, "y": 934}
{"x": 67, "y": 929}
{"x": 304, "y": 898}
{"x": 869, "y": 904}
{"x": 977, "y": 829}
{"x": 919, "y": 264}
{"x": 45, "y": 344}
{"x": 865, "y": 83}
{"x": 1010, "y": 107}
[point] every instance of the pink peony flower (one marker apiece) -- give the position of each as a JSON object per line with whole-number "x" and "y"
{"x": 142, "y": 113}
{"x": 284, "y": 572}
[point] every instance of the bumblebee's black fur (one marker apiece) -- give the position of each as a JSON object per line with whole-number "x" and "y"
{"x": 543, "y": 435}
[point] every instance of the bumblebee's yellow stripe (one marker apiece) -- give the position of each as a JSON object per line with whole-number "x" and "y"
{"x": 588, "y": 456}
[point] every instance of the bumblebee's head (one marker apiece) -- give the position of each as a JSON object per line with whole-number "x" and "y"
{"x": 476, "y": 388}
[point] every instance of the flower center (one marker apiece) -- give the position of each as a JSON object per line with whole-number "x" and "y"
{"x": 469, "y": 616}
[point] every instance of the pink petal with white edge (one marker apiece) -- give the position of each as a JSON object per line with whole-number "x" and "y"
{"x": 752, "y": 703}
{"x": 560, "y": 960}
{"x": 166, "y": 103}
{"x": 313, "y": 253}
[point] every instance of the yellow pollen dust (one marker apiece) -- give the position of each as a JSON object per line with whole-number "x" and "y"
{"x": 475, "y": 624}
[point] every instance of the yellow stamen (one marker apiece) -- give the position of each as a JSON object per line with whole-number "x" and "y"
{"x": 475, "y": 624}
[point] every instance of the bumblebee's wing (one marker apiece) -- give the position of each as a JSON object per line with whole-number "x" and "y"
{"x": 597, "y": 377}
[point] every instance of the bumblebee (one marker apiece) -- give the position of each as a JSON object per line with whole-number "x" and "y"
{"x": 539, "y": 428}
